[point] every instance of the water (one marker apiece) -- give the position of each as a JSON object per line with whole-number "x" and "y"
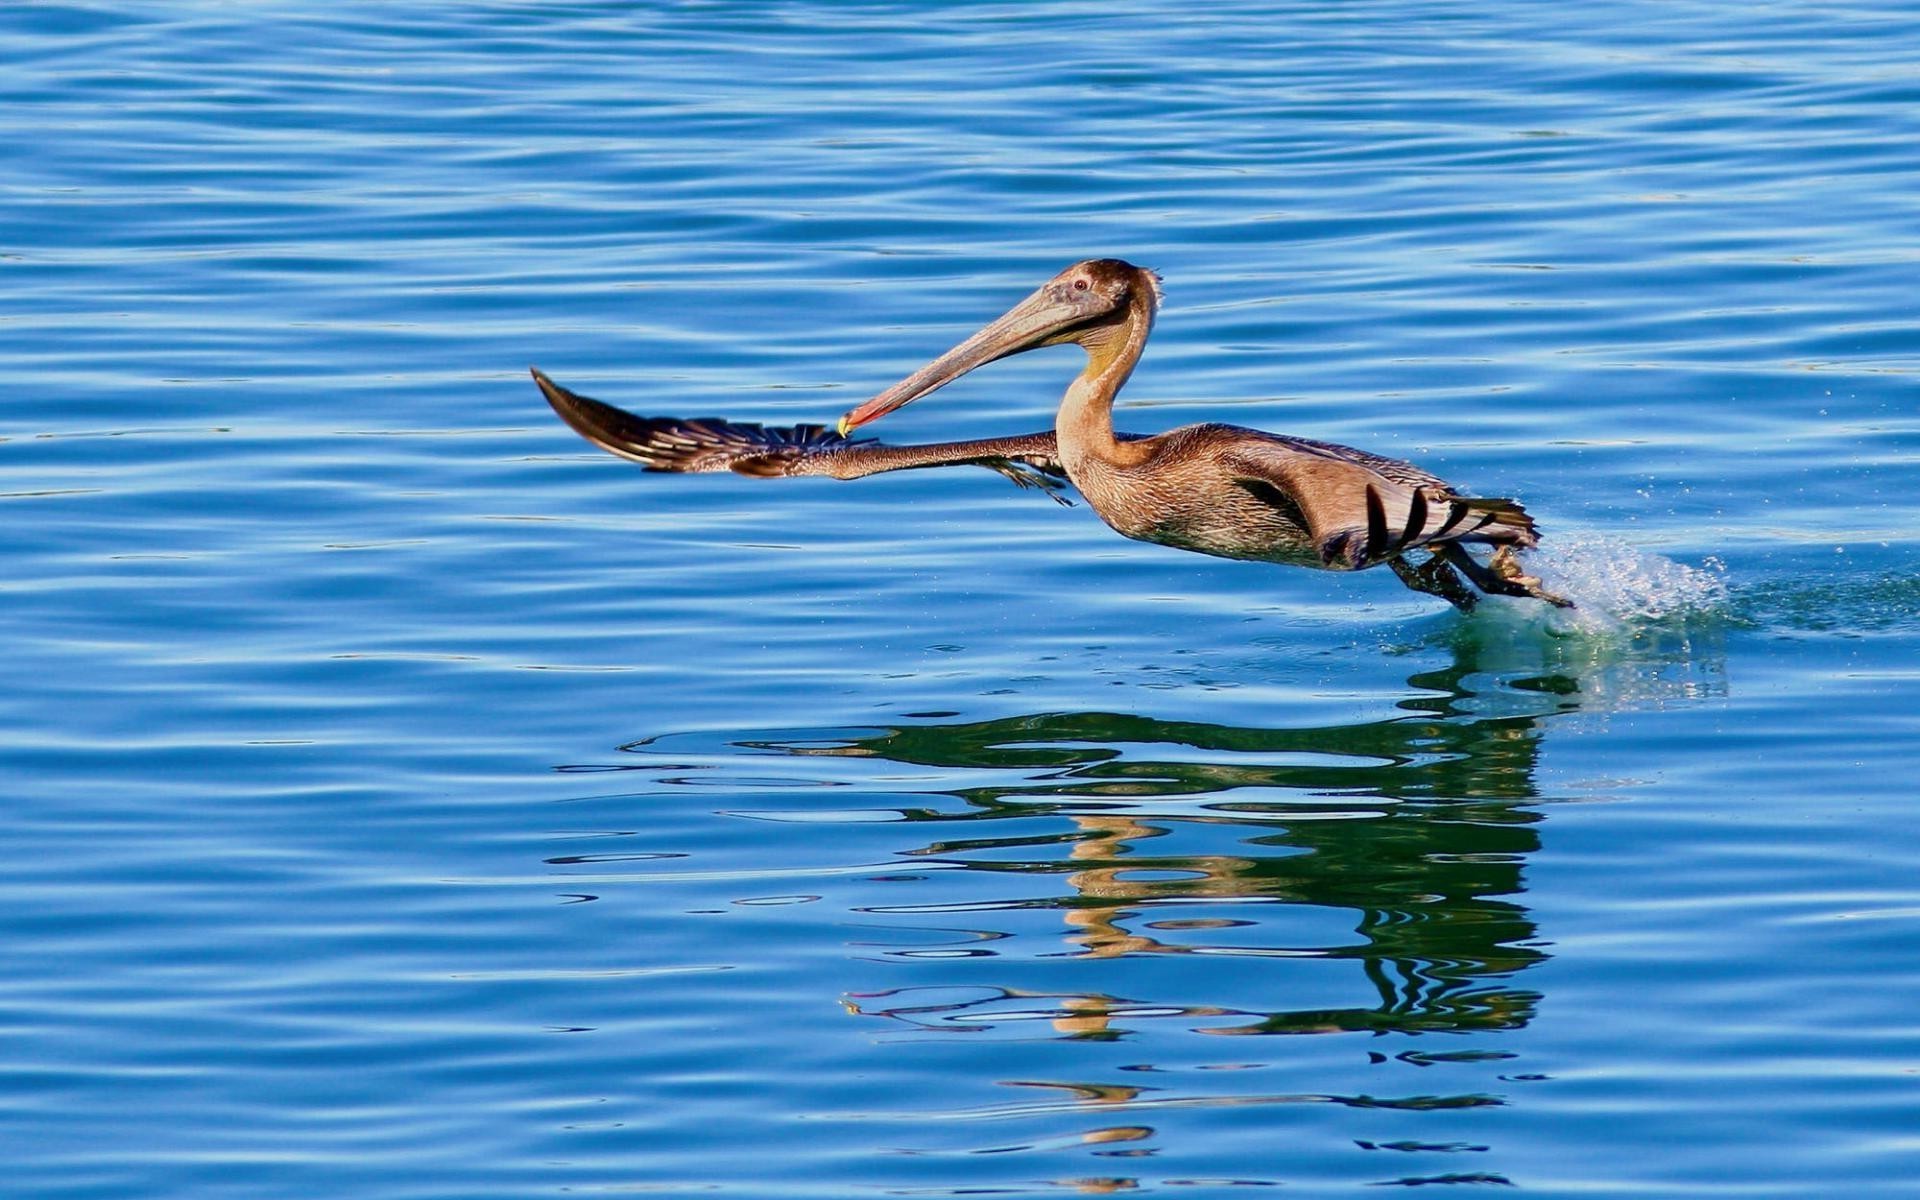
{"x": 405, "y": 800}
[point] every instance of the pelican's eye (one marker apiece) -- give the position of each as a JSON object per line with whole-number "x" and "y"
{"x": 1081, "y": 284}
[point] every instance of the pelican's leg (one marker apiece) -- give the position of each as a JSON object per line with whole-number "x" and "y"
{"x": 1501, "y": 575}
{"x": 1436, "y": 578}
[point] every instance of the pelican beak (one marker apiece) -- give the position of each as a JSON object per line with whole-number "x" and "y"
{"x": 1036, "y": 321}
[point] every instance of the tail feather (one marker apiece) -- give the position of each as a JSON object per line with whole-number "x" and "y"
{"x": 683, "y": 444}
{"x": 1397, "y": 522}
{"x": 1500, "y": 521}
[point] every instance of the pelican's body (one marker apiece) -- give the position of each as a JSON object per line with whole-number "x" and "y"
{"x": 1241, "y": 493}
{"x": 1215, "y": 489}
{"x": 1221, "y": 489}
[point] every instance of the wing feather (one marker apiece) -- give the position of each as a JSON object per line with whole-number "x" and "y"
{"x": 706, "y": 444}
{"x": 1362, "y": 509}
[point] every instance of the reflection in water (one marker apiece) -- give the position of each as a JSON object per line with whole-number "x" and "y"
{"x": 1099, "y": 878}
{"x": 1412, "y": 828}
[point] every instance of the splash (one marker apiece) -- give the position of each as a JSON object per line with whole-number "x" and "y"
{"x": 1617, "y": 587}
{"x": 1647, "y": 632}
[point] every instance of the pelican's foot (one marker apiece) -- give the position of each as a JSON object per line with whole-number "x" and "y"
{"x": 1505, "y": 566}
{"x": 1500, "y": 575}
{"x": 1436, "y": 577}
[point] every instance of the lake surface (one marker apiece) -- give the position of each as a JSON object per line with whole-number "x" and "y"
{"x": 405, "y": 799}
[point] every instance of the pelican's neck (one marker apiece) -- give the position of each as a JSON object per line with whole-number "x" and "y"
{"x": 1085, "y": 423}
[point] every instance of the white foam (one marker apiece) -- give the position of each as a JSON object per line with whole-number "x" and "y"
{"x": 1647, "y": 631}
{"x": 1614, "y": 585}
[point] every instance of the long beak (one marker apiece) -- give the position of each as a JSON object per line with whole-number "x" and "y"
{"x": 1028, "y": 324}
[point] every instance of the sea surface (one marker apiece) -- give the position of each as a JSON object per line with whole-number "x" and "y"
{"x": 404, "y": 799}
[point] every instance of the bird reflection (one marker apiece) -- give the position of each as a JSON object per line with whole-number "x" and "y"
{"x": 1117, "y": 897}
{"x": 1177, "y": 838}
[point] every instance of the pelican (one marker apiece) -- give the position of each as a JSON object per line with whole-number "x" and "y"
{"x": 1215, "y": 489}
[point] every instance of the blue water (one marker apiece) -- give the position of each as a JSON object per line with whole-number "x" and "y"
{"x": 404, "y": 799}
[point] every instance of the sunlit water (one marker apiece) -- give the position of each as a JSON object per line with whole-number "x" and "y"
{"x": 406, "y": 800}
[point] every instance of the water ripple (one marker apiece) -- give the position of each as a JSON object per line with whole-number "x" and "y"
{"x": 405, "y": 799}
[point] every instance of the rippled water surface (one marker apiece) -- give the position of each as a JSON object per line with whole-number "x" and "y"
{"x": 405, "y": 799}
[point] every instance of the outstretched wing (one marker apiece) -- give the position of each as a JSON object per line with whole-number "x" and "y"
{"x": 713, "y": 444}
{"x": 682, "y": 444}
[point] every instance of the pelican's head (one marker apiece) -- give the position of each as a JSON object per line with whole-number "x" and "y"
{"x": 1089, "y": 303}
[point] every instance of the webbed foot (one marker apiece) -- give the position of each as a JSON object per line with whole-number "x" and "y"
{"x": 1505, "y": 565}
{"x": 1500, "y": 575}
{"x": 1436, "y": 577}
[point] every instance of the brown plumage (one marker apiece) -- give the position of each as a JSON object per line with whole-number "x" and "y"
{"x": 1214, "y": 489}
{"x": 706, "y": 444}
{"x": 1221, "y": 489}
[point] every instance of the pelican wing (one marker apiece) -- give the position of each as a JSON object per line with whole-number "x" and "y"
{"x": 1361, "y": 509}
{"x": 706, "y": 444}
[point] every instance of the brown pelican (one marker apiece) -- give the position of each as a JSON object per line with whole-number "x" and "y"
{"x": 1216, "y": 489}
